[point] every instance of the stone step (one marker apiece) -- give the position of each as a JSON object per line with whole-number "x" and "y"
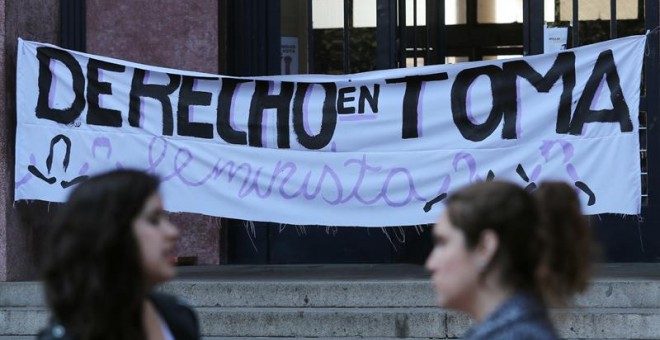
{"x": 17, "y": 337}
{"x": 381, "y": 323}
{"x": 603, "y": 293}
{"x": 280, "y": 338}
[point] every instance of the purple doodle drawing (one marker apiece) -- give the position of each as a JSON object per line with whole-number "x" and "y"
{"x": 568, "y": 152}
{"x": 28, "y": 176}
{"x": 471, "y": 164}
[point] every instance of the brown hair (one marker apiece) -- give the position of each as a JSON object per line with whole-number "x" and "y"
{"x": 544, "y": 242}
{"x": 566, "y": 264}
{"x": 93, "y": 277}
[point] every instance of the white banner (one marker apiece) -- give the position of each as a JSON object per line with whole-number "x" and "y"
{"x": 380, "y": 148}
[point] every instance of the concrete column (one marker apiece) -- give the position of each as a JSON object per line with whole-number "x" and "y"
{"x": 21, "y": 227}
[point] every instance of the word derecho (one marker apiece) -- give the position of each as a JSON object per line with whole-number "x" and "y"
{"x": 87, "y": 88}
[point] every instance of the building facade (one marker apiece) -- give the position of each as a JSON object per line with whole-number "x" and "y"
{"x": 268, "y": 37}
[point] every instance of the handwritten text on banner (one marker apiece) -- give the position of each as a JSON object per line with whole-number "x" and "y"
{"x": 380, "y": 148}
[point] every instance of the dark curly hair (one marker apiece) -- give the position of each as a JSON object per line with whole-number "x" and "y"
{"x": 545, "y": 245}
{"x": 93, "y": 277}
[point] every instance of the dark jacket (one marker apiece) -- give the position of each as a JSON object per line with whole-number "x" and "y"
{"x": 523, "y": 316}
{"x": 180, "y": 318}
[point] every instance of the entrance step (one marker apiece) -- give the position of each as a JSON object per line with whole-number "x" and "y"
{"x": 359, "y": 301}
{"x": 599, "y": 323}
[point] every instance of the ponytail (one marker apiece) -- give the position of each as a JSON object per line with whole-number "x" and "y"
{"x": 566, "y": 242}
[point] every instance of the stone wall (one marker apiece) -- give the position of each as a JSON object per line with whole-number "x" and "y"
{"x": 168, "y": 33}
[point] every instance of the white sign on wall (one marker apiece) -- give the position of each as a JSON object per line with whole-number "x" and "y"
{"x": 555, "y": 39}
{"x": 289, "y": 55}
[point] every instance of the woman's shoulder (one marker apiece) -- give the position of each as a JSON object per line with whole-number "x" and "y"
{"x": 54, "y": 331}
{"x": 178, "y": 314}
{"x": 521, "y": 317}
{"x": 525, "y": 329}
{"x": 168, "y": 300}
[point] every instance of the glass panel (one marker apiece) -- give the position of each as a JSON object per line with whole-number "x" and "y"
{"x": 549, "y": 10}
{"x": 363, "y": 48}
{"x": 642, "y": 139}
{"x": 456, "y": 60}
{"x": 294, "y": 41}
{"x": 364, "y": 13}
{"x": 328, "y": 23}
{"x": 499, "y": 11}
{"x": 645, "y": 188}
{"x": 455, "y": 12}
{"x": 594, "y": 20}
{"x": 599, "y": 9}
{"x": 327, "y": 13}
{"x": 501, "y": 57}
{"x": 410, "y": 62}
{"x": 421, "y": 13}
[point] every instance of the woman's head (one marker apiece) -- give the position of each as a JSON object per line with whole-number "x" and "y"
{"x": 109, "y": 243}
{"x": 494, "y": 224}
{"x": 494, "y": 232}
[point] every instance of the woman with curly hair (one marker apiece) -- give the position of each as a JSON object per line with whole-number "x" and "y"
{"x": 110, "y": 245}
{"x": 502, "y": 255}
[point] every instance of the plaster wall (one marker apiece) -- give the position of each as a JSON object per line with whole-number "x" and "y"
{"x": 168, "y": 33}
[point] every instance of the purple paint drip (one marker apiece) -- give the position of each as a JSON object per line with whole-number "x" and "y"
{"x": 231, "y": 114}
{"x": 28, "y": 176}
{"x": 570, "y": 169}
{"x": 83, "y": 169}
{"x": 535, "y": 173}
{"x": 420, "y": 108}
{"x": 191, "y": 108}
{"x": 469, "y": 161}
{"x": 357, "y": 117}
{"x": 468, "y": 106}
{"x": 445, "y": 184}
{"x": 308, "y": 93}
{"x": 598, "y": 93}
{"x": 567, "y": 149}
{"x": 147, "y": 75}
{"x": 264, "y": 119}
{"x": 518, "y": 115}
{"x": 53, "y": 83}
{"x": 264, "y": 131}
{"x": 100, "y": 97}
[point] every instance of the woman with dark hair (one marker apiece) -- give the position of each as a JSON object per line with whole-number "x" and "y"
{"x": 502, "y": 255}
{"x": 109, "y": 247}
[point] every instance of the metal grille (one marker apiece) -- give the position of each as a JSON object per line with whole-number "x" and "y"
{"x": 400, "y": 41}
